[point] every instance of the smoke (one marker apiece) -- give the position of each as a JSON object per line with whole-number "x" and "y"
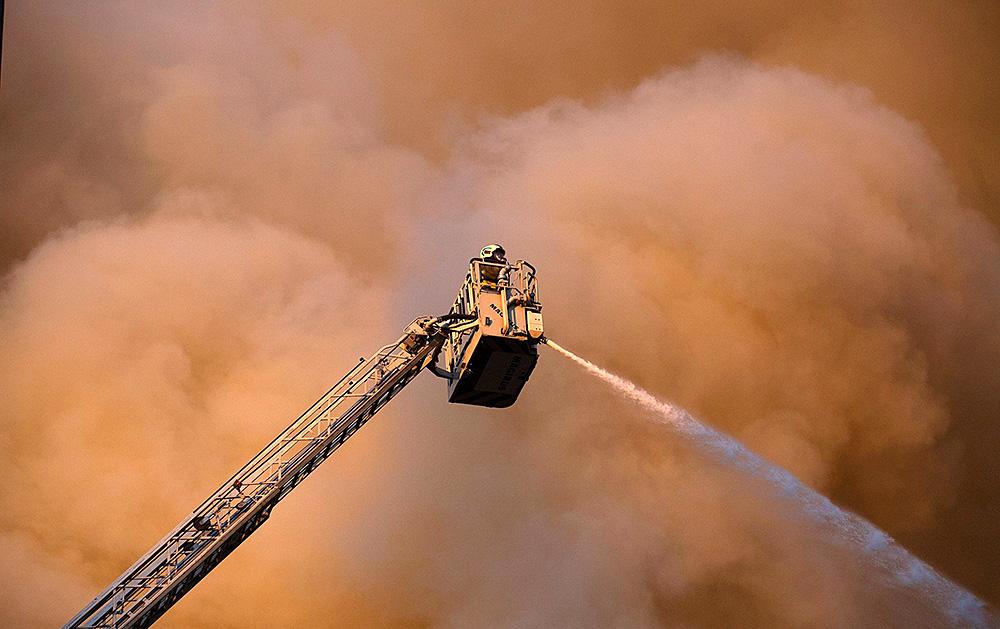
{"x": 209, "y": 213}
{"x": 812, "y": 294}
{"x": 934, "y": 62}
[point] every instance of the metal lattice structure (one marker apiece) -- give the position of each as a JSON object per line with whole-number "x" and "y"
{"x": 180, "y": 560}
{"x": 488, "y": 341}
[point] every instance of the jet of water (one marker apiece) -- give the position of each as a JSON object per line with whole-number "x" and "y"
{"x": 899, "y": 565}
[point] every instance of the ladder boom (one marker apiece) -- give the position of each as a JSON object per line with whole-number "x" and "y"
{"x": 201, "y": 541}
{"x": 487, "y": 346}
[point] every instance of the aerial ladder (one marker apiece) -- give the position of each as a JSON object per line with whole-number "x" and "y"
{"x": 485, "y": 346}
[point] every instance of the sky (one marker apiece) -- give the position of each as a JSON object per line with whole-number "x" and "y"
{"x": 782, "y": 216}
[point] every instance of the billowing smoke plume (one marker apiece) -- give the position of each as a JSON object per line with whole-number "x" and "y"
{"x": 208, "y": 214}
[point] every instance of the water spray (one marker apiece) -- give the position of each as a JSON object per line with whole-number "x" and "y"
{"x": 901, "y": 568}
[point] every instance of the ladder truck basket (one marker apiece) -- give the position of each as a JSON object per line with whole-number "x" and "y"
{"x": 487, "y": 365}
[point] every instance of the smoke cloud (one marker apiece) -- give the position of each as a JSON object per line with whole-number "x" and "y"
{"x": 208, "y": 214}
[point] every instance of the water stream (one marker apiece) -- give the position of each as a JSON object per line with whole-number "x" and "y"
{"x": 886, "y": 556}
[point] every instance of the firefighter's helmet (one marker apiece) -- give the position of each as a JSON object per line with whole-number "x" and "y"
{"x": 493, "y": 253}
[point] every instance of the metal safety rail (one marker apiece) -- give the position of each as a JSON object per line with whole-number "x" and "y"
{"x": 201, "y": 541}
{"x": 518, "y": 284}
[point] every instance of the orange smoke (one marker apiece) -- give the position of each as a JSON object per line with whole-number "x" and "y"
{"x": 210, "y": 213}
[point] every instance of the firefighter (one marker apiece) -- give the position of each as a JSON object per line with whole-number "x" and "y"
{"x": 490, "y": 275}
